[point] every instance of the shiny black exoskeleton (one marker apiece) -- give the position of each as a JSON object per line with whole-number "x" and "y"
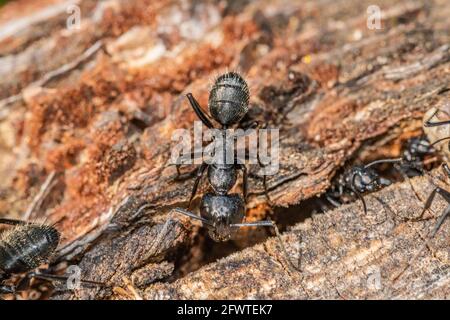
{"x": 416, "y": 149}
{"x": 24, "y": 247}
{"x": 361, "y": 179}
{"x": 414, "y": 154}
{"x": 437, "y": 137}
{"x": 357, "y": 180}
{"x": 220, "y": 212}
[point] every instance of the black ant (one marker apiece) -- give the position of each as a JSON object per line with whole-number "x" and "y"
{"x": 220, "y": 212}
{"x": 433, "y": 132}
{"x": 25, "y": 247}
{"x": 363, "y": 178}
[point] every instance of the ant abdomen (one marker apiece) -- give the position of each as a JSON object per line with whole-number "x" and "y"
{"x": 228, "y": 99}
{"x": 25, "y": 247}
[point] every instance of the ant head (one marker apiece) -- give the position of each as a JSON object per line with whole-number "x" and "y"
{"x": 365, "y": 179}
{"x": 222, "y": 211}
{"x": 228, "y": 99}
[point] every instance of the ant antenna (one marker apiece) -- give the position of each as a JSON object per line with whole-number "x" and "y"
{"x": 439, "y": 140}
{"x": 362, "y": 200}
{"x": 392, "y": 160}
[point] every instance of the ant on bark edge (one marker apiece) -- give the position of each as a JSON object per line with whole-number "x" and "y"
{"x": 221, "y": 212}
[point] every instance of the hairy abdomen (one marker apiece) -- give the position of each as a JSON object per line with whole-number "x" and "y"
{"x": 26, "y": 247}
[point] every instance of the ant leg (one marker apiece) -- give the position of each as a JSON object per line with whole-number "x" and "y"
{"x": 404, "y": 171}
{"x": 53, "y": 277}
{"x": 428, "y": 123}
{"x": 446, "y": 169}
{"x": 439, "y": 141}
{"x": 440, "y": 222}
{"x": 266, "y": 188}
{"x": 429, "y": 201}
{"x": 13, "y": 222}
{"x": 200, "y": 172}
{"x": 445, "y": 194}
{"x": 431, "y": 236}
{"x": 266, "y": 191}
{"x": 255, "y": 125}
{"x": 332, "y": 201}
{"x": 199, "y": 111}
{"x": 244, "y": 181}
{"x": 184, "y": 176}
{"x": 269, "y": 223}
{"x": 192, "y": 215}
{"x": 250, "y": 125}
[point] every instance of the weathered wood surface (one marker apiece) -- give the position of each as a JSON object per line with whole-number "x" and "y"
{"x": 98, "y": 106}
{"x": 343, "y": 254}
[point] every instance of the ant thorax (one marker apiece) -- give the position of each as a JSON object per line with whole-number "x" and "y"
{"x": 230, "y": 147}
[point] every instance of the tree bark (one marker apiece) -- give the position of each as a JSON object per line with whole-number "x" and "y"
{"x": 97, "y": 107}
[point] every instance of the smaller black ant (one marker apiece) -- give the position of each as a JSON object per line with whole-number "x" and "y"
{"x": 359, "y": 180}
{"x": 26, "y": 246}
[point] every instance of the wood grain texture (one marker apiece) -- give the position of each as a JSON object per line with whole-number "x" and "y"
{"x": 98, "y": 105}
